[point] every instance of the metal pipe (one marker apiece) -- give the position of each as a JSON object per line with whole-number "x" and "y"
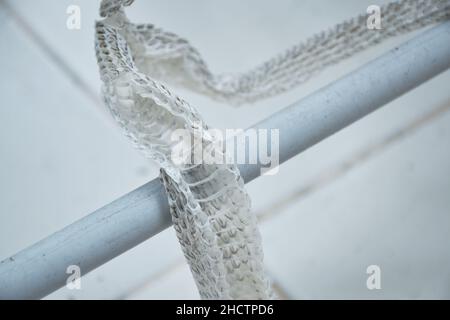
{"x": 117, "y": 227}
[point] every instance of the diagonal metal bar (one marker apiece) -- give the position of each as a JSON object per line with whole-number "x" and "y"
{"x": 117, "y": 227}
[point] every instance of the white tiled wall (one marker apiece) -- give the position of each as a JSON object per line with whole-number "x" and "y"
{"x": 374, "y": 193}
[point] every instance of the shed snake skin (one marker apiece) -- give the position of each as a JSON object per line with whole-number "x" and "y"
{"x": 209, "y": 205}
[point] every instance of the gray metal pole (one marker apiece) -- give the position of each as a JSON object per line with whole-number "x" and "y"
{"x": 117, "y": 227}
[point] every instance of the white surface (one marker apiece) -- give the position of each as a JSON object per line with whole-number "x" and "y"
{"x": 62, "y": 158}
{"x": 391, "y": 211}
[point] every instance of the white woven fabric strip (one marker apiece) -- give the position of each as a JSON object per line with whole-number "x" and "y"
{"x": 209, "y": 205}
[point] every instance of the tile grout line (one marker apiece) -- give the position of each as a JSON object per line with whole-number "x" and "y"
{"x": 276, "y": 286}
{"x": 53, "y": 56}
{"x": 151, "y": 279}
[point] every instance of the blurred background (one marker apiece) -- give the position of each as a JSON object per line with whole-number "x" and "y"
{"x": 376, "y": 193}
